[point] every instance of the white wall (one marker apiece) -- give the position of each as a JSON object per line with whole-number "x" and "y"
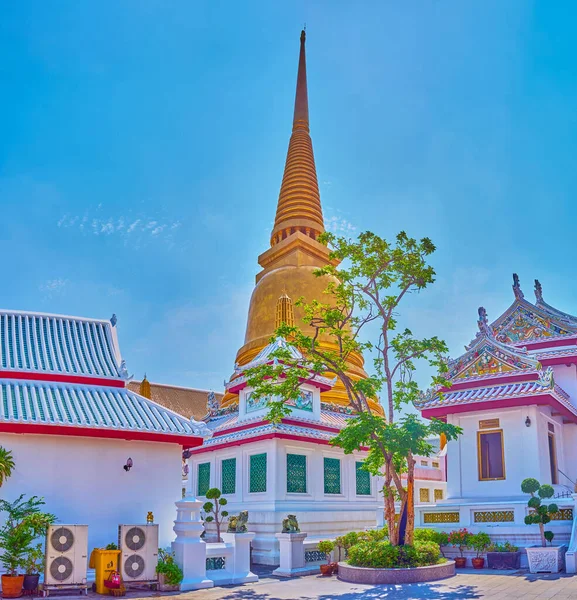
{"x": 526, "y": 453}
{"x": 83, "y": 481}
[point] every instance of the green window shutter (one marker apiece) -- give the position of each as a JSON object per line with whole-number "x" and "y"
{"x": 257, "y": 473}
{"x": 363, "y": 481}
{"x": 203, "y": 480}
{"x": 296, "y": 474}
{"x": 332, "y": 470}
{"x": 228, "y": 484}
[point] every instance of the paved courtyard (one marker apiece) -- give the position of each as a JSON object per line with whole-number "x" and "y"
{"x": 467, "y": 584}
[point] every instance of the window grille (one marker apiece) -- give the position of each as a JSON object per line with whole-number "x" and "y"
{"x": 296, "y": 474}
{"x": 257, "y": 475}
{"x": 228, "y": 468}
{"x": 203, "y": 480}
{"x": 332, "y": 475}
{"x": 363, "y": 480}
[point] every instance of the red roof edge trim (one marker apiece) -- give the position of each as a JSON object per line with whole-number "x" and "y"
{"x": 259, "y": 438}
{"x": 262, "y": 422}
{"x": 484, "y": 381}
{"x": 559, "y": 360}
{"x": 543, "y": 343}
{"x": 542, "y": 399}
{"x": 56, "y": 378}
{"x": 141, "y": 436}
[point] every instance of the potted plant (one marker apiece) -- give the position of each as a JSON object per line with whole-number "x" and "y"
{"x": 326, "y": 547}
{"x": 503, "y": 556}
{"x": 479, "y": 542}
{"x": 215, "y": 508}
{"x": 543, "y": 558}
{"x": 24, "y": 523}
{"x": 32, "y": 564}
{"x": 169, "y": 573}
{"x": 460, "y": 540}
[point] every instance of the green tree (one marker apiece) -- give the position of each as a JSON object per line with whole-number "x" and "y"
{"x": 367, "y": 282}
{"x": 6, "y": 464}
{"x": 214, "y": 510}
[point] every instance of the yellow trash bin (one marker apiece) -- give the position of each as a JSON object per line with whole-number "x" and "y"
{"x": 104, "y": 561}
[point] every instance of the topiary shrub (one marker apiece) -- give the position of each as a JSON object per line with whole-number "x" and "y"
{"x": 381, "y": 555}
{"x": 326, "y": 547}
{"x": 431, "y": 535}
{"x": 540, "y": 513}
{"x": 428, "y": 553}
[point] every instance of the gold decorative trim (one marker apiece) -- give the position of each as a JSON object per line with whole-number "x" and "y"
{"x": 494, "y": 516}
{"x": 441, "y": 517}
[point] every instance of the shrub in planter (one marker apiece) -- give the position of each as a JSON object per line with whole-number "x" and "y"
{"x": 169, "y": 573}
{"x": 459, "y": 539}
{"x": 326, "y": 547}
{"x": 479, "y": 542}
{"x": 381, "y": 555}
{"x": 428, "y": 553}
{"x": 503, "y": 556}
{"x": 214, "y": 510}
{"x": 540, "y": 513}
{"x": 430, "y": 535}
{"x": 32, "y": 565}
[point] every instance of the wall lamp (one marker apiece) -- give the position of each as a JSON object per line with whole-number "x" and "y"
{"x": 527, "y": 422}
{"x": 128, "y": 464}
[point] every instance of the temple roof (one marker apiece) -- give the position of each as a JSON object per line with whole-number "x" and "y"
{"x": 58, "y": 344}
{"x": 266, "y": 356}
{"x": 189, "y": 402}
{"x": 524, "y": 390}
{"x": 226, "y": 429}
{"x": 90, "y": 407}
{"x": 486, "y": 356}
{"x": 64, "y": 375}
{"x": 524, "y": 322}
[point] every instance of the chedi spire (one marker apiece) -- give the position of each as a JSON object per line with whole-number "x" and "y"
{"x": 299, "y": 202}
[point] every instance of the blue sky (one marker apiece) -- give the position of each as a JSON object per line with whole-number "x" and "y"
{"x": 142, "y": 146}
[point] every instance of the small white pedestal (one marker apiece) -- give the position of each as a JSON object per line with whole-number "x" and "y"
{"x": 189, "y": 550}
{"x": 292, "y": 555}
{"x": 241, "y": 572}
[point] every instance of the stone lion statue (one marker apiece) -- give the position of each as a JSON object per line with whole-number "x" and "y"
{"x": 237, "y": 524}
{"x": 290, "y": 524}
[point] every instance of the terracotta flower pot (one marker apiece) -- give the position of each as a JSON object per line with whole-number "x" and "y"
{"x": 326, "y": 570}
{"x": 12, "y": 586}
{"x": 478, "y": 563}
{"x": 460, "y": 562}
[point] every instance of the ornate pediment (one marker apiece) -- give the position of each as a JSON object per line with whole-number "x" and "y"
{"x": 488, "y": 356}
{"x": 523, "y": 322}
{"x": 526, "y": 322}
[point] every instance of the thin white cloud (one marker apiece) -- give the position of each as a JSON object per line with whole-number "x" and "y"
{"x": 134, "y": 231}
{"x": 53, "y": 287}
{"x": 339, "y": 225}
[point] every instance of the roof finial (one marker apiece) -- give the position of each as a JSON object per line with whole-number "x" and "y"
{"x": 538, "y": 292}
{"x": 144, "y": 388}
{"x": 517, "y": 288}
{"x": 483, "y": 322}
{"x": 113, "y": 320}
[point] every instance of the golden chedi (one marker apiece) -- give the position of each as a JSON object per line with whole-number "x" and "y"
{"x": 288, "y": 265}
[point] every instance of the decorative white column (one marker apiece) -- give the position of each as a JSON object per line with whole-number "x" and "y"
{"x": 571, "y": 555}
{"x": 292, "y": 555}
{"x": 189, "y": 550}
{"x": 241, "y": 572}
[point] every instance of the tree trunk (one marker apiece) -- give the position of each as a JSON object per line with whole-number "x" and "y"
{"x": 410, "y": 530}
{"x": 390, "y": 506}
{"x": 542, "y": 532}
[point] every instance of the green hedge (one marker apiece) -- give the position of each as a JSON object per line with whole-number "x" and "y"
{"x": 381, "y": 555}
